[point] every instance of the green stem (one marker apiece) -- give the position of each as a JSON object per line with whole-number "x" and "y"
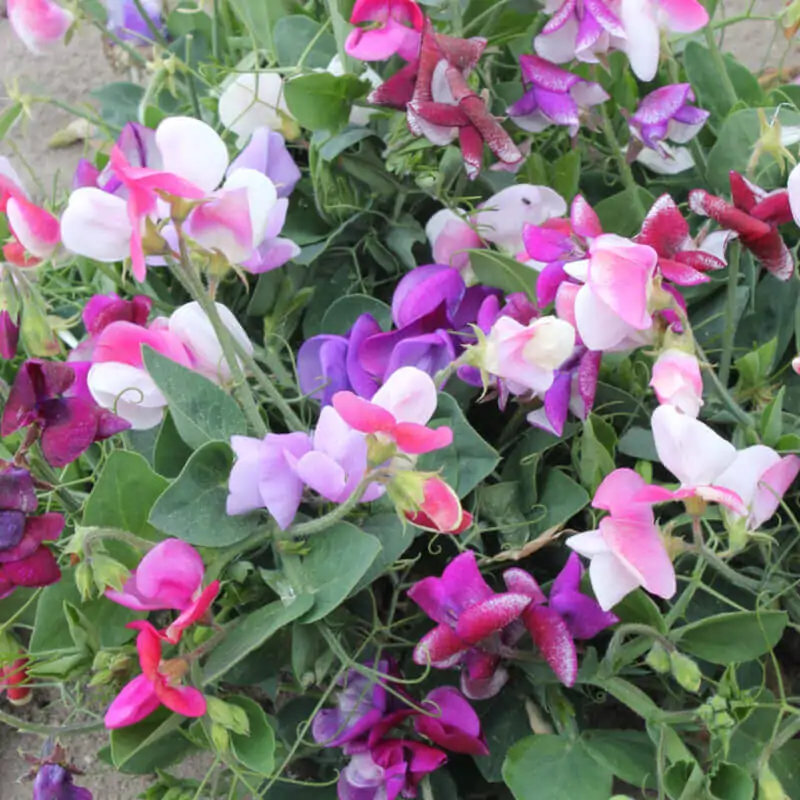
{"x": 455, "y": 17}
{"x": 47, "y": 473}
{"x": 49, "y": 730}
{"x": 718, "y": 564}
{"x": 324, "y": 522}
{"x": 151, "y": 26}
{"x": 719, "y": 63}
{"x": 734, "y": 259}
{"x": 194, "y": 285}
{"x": 340, "y": 27}
{"x": 625, "y": 173}
{"x": 190, "y": 79}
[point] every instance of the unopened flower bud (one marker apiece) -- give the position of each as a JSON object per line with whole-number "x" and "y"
{"x": 658, "y": 659}
{"x": 37, "y": 334}
{"x": 102, "y": 678}
{"x": 83, "y": 580}
{"x": 685, "y": 671}
{"x": 107, "y": 572}
{"x": 229, "y": 716}
{"x": 220, "y": 738}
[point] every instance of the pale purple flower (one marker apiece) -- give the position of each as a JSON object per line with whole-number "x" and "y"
{"x": 54, "y": 782}
{"x": 266, "y": 152}
{"x": 553, "y": 96}
{"x": 126, "y": 22}
{"x": 666, "y": 113}
{"x": 274, "y": 250}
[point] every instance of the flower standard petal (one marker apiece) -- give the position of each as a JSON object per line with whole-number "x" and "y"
{"x": 490, "y": 616}
{"x": 136, "y": 701}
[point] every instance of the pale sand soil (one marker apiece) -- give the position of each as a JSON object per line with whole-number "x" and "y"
{"x": 69, "y": 74}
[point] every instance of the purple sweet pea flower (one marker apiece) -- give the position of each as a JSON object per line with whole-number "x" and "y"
{"x": 553, "y": 96}
{"x": 126, "y": 22}
{"x": 666, "y": 114}
{"x": 451, "y": 722}
{"x": 568, "y": 615}
{"x": 470, "y": 617}
{"x": 388, "y": 769}
{"x": 48, "y": 395}
{"x": 17, "y": 500}
{"x": 54, "y": 782}
{"x": 86, "y": 174}
{"x": 266, "y": 152}
{"x": 9, "y": 335}
{"x": 272, "y": 473}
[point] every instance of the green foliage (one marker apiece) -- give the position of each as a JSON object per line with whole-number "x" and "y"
{"x": 322, "y": 102}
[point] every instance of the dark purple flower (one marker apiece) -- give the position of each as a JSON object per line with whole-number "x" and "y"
{"x": 54, "y": 782}
{"x": 266, "y": 152}
{"x": 666, "y": 114}
{"x": 470, "y": 617}
{"x": 9, "y": 335}
{"x": 45, "y": 393}
{"x": 390, "y": 768}
{"x": 568, "y": 615}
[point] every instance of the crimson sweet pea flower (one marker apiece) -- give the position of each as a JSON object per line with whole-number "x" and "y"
{"x": 754, "y": 217}
{"x": 470, "y": 616}
{"x": 568, "y": 615}
{"x": 159, "y": 684}
{"x": 49, "y": 395}
{"x": 169, "y": 576}
{"x": 391, "y": 36}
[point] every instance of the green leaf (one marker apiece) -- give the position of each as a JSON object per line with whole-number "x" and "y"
{"x": 51, "y": 634}
{"x": 754, "y": 368}
{"x": 631, "y": 696}
{"x": 638, "y": 443}
{"x": 250, "y": 632}
{"x": 622, "y": 214}
{"x": 469, "y": 459}
{"x": 258, "y": 17}
{"x": 193, "y": 507}
{"x": 785, "y": 765}
{"x": 322, "y": 101}
{"x": 170, "y": 453}
{"x": 639, "y": 607}
{"x": 344, "y": 311}
{"x": 547, "y": 767}
{"x": 154, "y": 743}
{"x": 629, "y": 754}
{"x": 503, "y": 272}
{"x": 504, "y": 722}
{"x": 403, "y": 234}
{"x": 9, "y": 117}
{"x": 500, "y": 502}
{"x": 334, "y": 146}
{"x": 119, "y": 102}
{"x": 566, "y": 171}
{"x": 732, "y": 638}
{"x": 201, "y": 411}
{"x": 255, "y": 750}
{"x": 772, "y": 315}
{"x": 685, "y": 780}
{"x": 772, "y": 419}
{"x": 337, "y": 560}
{"x": 597, "y": 448}
{"x": 395, "y": 537}
{"x": 124, "y": 494}
{"x": 731, "y": 782}
{"x": 561, "y": 498}
{"x": 293, "y": 35}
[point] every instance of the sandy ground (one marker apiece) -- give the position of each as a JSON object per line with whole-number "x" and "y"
{"x": 68, "y": 75}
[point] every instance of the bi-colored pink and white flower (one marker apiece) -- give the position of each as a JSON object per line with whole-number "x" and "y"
{"x": 39, "y": 24}
{"x": 170, "y": 576}
{"x": 527, "y": 356}
{"x": 626, "y": 550}
{"x": 612, "y": 308}
{"x": 399, "y": 30}
{"x": 36, "y": 231}
{"x": 677, "y": 381}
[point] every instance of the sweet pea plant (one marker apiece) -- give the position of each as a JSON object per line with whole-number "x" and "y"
{"x": 402, "y": 401}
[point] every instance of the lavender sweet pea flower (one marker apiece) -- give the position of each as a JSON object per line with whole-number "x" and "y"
{"x": 553, "y": 96}
{"x": 666, "y": 114}
{"x": 568, "y": 615}
{"x": 274, "y": 251}
{"x": 126, "y": 22}
{"x": 266, "y": 152}
{"x": 54, "y": 782}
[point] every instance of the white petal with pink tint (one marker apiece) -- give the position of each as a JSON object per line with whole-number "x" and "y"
{"x": 36, "y": 230}
{"x": 261, "y": 195}
{"x": 39, "y": 24}
{"x": 127, "y": 391}
{"x": 192, "y": 150}
{"x": 677, "y": 381}
{"x": 95, "y": 224}
{"x": 598, "y": 326}
{"x": 409, "y": 395}
{"x": 641, "y": 29}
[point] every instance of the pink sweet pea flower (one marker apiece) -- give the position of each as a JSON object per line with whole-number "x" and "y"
{"x": 581, "y": 29}
{"x": 450, "y": 235}
{"x": 440, "y": 510}
{"x": 159, "y": 684}
{"x": 399, "y": 411}
{"x": 611, "y": 308}
{"x": 170, "y": 576}
{"x": 626, "y": 550}
{"x": 101, "y": 311}
{"x": 117, "y": 378}
{"x": 677, "y": 381}
{"x": 39, "y": 24}
{"x": 796, "y": 364}
{"x": 696, "y": 455}
{"x": 642, "y": 21}
{"x": 760, "y": 477}
{"x": 392, "y": 36}
{"x": 568, "y": 615}
{"x": 469, "y": 617}
{"x": 527, "y": 356}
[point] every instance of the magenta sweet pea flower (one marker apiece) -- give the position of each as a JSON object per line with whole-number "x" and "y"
{"x": 399, "y": 411}
{"x": 159, "y": 684}
{"x": 580, "y": 29}
{"x": 553, "y": 96}
{"x": 170, "y": 576}
{"x": 666, "y": 114}
{"x": 554, "y": 624}
{"x": 470, "y": 617}
{"x": 451, "y": 722}
{"x": 391, "y": 768}
{"x": 9, "y": 335}
{"x": 677, "y": 381}
{"x": 39, "y": 24}
{"x": 55, "y": 782}
{"x": 101, "y": 311}
{"x": 46, "y": 394}
{"x": 626, "y": 551}
{"x": 401, "y": 22}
